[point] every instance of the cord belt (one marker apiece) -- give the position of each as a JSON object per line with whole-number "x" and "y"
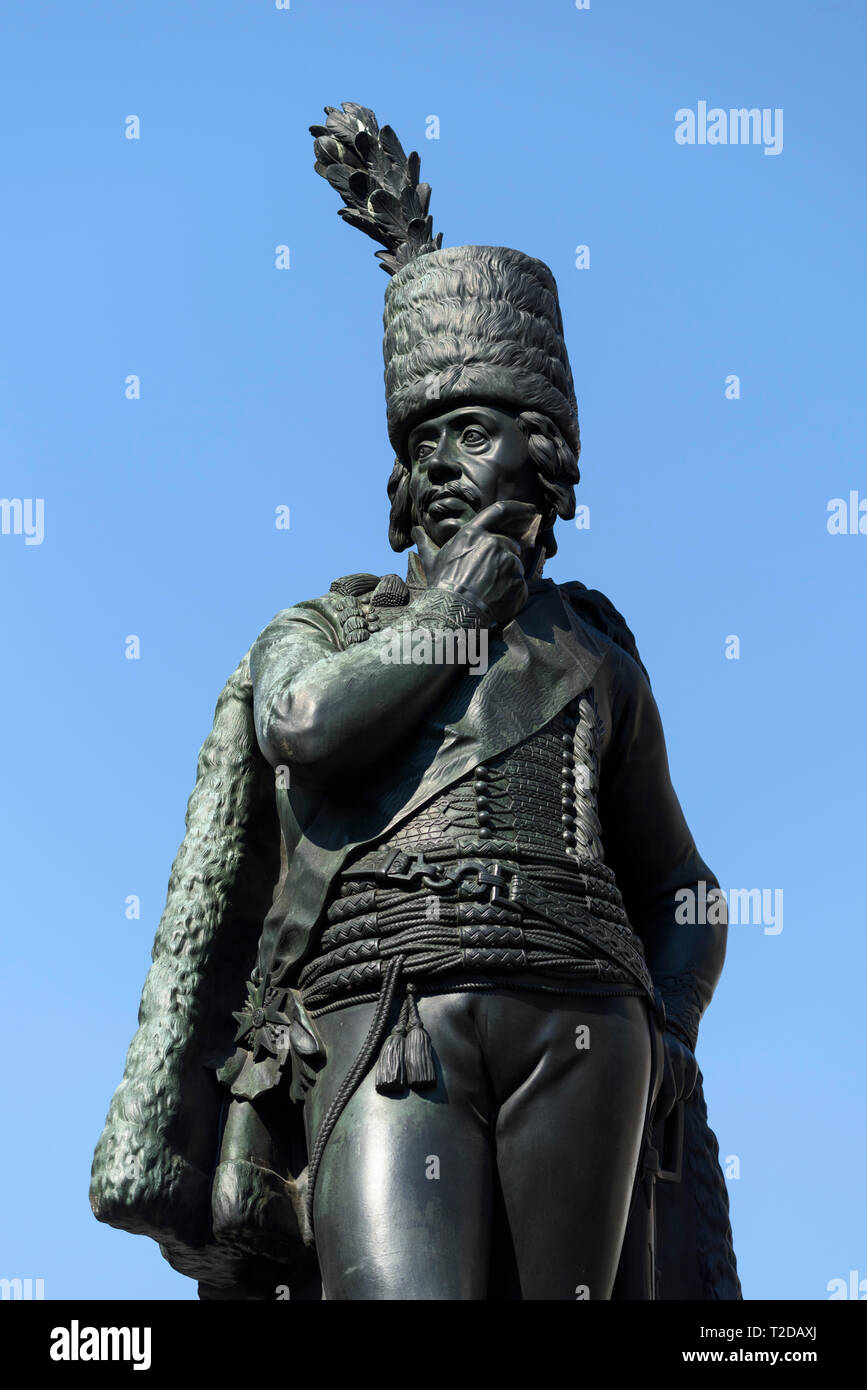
{"x": 469, "y": 915}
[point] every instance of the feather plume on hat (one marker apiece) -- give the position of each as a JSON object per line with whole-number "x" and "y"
{"x": 378, "y": 183}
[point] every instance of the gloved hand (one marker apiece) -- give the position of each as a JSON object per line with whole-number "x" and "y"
{"x": 680, "y": 1074}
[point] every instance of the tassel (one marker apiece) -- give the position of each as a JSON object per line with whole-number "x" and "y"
{"x": 420, "y": 1070}
{"x": 391, "y": 1069}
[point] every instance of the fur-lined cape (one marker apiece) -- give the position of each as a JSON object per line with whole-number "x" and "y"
{"x": 219, "y": 1182}
{"x": 153, "y": 1169}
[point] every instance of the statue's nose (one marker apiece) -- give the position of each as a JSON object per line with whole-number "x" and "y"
{"x": 442, "y": 464}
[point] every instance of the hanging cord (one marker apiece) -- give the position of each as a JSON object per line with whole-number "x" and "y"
{"x": 354, "y": 1076}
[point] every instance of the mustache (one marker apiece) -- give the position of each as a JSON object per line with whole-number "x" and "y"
{"x": 464, "y": 491}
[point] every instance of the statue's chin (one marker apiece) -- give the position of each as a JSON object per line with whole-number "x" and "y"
{"x": 446, "y": 528}
{"x": 444, "y": 524}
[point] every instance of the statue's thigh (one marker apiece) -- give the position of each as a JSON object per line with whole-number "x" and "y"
{"x": 403, "y": 1196}
{"x": 569, "y": 1132}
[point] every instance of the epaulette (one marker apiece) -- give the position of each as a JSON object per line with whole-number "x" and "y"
{"x": 359, "y": 595}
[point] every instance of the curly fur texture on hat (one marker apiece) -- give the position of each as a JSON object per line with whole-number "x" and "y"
{"x": 475, "y": 323}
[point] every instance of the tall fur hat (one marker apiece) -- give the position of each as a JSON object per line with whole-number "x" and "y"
{"x": 461, "y": 324}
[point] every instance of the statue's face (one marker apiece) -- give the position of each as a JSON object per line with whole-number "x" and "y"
{"x": 463, "y": 460}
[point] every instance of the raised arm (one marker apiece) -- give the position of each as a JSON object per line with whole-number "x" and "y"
{"x": 328, "y": 713}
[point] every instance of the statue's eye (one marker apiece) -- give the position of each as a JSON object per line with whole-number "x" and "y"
{"x": 422, "y": 450}
{"x": 474, "y": 436}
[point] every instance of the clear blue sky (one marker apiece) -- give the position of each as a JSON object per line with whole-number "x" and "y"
{"x": 262, "y": 387}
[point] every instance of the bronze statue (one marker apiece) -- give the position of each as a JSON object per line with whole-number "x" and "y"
{"x": 434, "y": 831}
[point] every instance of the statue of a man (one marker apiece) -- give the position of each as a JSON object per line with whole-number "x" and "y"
{"x": 434, "y": 829}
